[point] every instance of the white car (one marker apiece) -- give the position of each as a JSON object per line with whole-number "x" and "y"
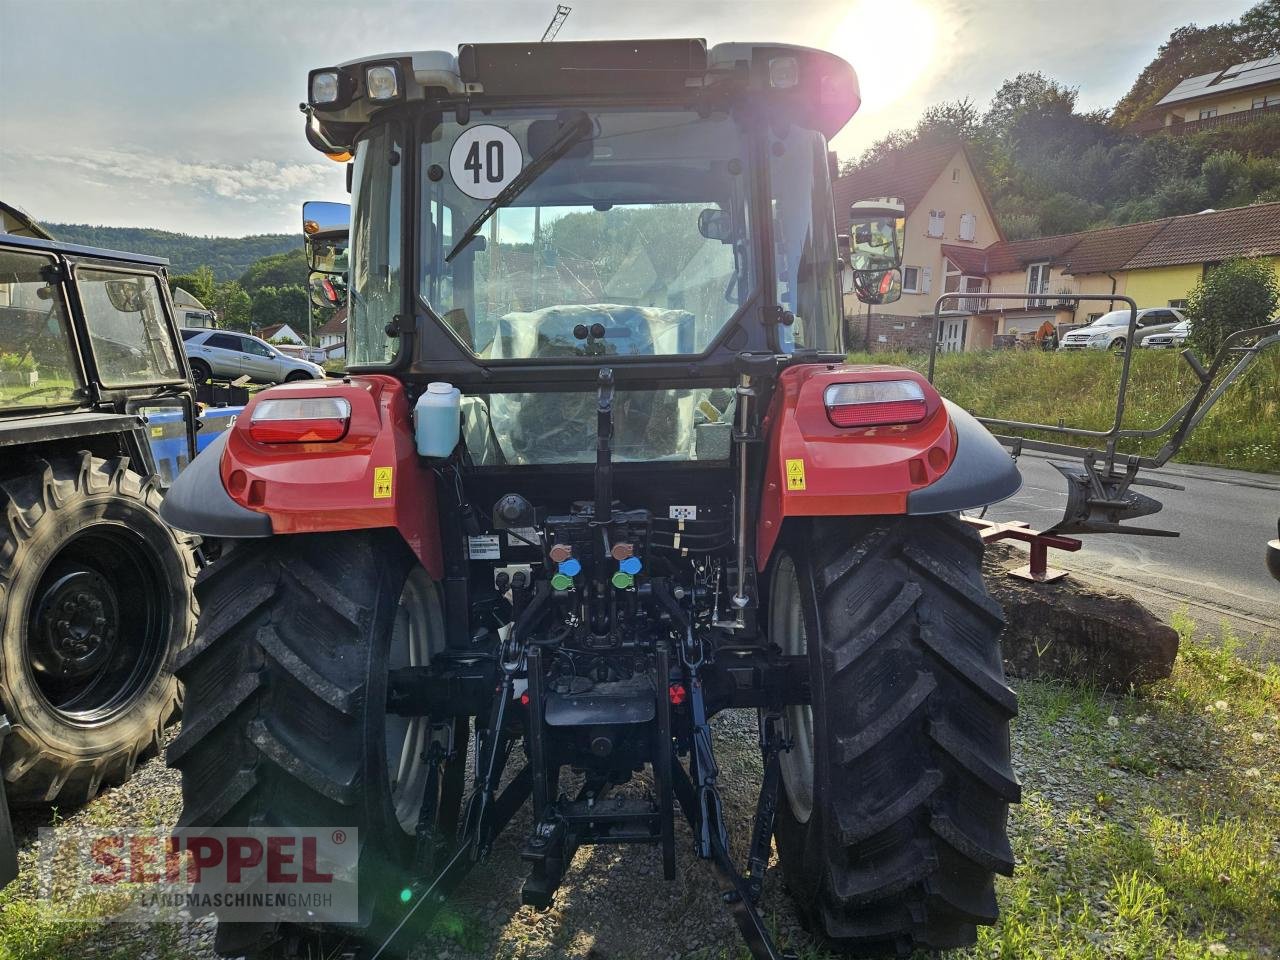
{"x": 229, "y": 355}
{"x": 1111, "y": 330}
{"x": 1172, "y": 339}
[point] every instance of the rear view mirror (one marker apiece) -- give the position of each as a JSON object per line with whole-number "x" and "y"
{"x": 328, "y": 290}
{"x": 714, "y": 224}
{"x": 543, "y": 133}
{"x": 877, "y": 286}
{"x": 878, "y": 233}
{"x": 325, "y": 230}
{"x": 127, "y": 296}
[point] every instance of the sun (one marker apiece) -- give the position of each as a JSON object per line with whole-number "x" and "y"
{"x": 892, "y": 45}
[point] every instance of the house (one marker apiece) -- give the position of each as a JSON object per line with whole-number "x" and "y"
{"x": 1237, "y": 94}
{"x": 1155, "y": 262}
{"x": 332, "y": 335}
{"x": 280, "y": 331}
{"x": 948, "y": 216}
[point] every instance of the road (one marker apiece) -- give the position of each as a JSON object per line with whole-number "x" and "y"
{"x": 1215, "y": 568}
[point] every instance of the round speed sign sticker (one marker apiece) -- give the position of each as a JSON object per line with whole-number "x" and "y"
{"x": 484, "y": 159}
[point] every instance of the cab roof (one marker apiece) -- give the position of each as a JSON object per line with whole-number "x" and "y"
{"x": 77, "y": 250}
{"x": 816, "y": 87}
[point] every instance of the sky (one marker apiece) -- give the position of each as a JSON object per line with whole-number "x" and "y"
{"x": 184, "y": 115}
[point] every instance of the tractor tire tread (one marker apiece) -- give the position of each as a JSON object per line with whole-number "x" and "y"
{"x": 37, "y": 768}
{"x": 902, "y": 853}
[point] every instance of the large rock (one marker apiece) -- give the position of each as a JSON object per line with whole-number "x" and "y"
{"x": 1069, "y": 631}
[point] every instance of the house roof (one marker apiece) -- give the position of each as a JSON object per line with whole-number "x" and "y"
{"x": 1213, "y": 236}
{"x": 335, "y": 326}
{"x": 1239, "y": 76}
{"x": 907, "y": 173}
{"x": 1101, "y": 251}
{"x": 269, "y": 331}
{"x": 971, "y": 260}
{"x": 1207, "y": 237}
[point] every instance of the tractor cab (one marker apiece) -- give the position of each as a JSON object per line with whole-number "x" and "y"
{"x": 673, "y": 199}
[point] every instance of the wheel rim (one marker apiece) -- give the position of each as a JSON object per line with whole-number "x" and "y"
{"x": 415, "y": 638}
{"x": 97, "y": 630}
{"x": 786, "y": 628}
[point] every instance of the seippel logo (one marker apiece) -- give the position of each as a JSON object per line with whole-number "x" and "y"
{"x": 244, "y": 875}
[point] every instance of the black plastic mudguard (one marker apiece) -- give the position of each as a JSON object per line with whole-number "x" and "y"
{"x": 199, "y": 503}
{"x": 982, "y": 472}
{"x": 8, "y": 847}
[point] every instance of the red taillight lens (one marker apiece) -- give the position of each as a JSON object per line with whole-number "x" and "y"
{"x": 875, "y": 403}
{"x": 300, "y": 420}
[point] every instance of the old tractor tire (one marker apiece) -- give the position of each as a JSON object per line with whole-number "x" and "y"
{"x": 285, "y": 718}
{"x": 95, "y": 604}
{"x": 893, "y": 815}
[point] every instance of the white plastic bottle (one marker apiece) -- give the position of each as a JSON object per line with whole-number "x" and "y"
{"x": 437, "y": 420}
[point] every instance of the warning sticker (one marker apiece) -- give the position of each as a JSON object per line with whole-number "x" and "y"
{"x": 795, "y": 474}
{"x": 484, "y": 547}
{"x": 381, "y": 483}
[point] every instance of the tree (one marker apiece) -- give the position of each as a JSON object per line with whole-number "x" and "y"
{"x": 1235, "y": 295}
{"x": 233, "y": 306}
{"x": 278, "y": 270}
{"x": 287, "y": 304}
{"x": 199, "y": 283}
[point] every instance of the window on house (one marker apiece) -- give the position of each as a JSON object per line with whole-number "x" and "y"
{"x": 1207, "y": 114}
{"x": 968, "y": 226}
{"x": 1037, "y": 282}
{"x": 1261, "y": 102}
{"x": 1178, "y": 304}
{"x": 937, "y": 222}
{"x": 910, "y": 279}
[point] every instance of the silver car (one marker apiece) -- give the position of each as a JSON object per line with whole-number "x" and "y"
{"x": 1110, "y": 330}
{"x": 228, "y": 355}
{"x": 1172, "y": 339}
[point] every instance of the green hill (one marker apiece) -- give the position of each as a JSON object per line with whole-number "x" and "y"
{"x": 228, "y": 257}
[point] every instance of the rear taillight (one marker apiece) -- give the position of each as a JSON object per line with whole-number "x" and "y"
{"x": 300, "y": 420}
{"x": 875, "y": 403}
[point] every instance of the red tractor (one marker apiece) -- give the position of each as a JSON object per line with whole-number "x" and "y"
{"x": 598, "y": 472}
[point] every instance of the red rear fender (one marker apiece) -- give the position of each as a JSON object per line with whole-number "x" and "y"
{"x": 372, "y": 477}
{"x": 817, "y": 469}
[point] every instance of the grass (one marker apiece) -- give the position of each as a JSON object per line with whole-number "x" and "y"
{"x": 1078, "y": 389}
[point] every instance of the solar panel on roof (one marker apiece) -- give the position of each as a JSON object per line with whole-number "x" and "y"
{"x": 1235, "y": 77}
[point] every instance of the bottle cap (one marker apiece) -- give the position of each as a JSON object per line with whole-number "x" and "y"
{"x": 437, "y": 386}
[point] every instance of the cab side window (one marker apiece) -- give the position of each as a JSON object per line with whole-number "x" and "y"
{"x": 127, "y": 329}
{"x": 37, "y": 362}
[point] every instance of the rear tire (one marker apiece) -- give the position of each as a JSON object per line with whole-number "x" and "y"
{"x": 285, "y": 721}
{"x": 95, "y": 605}
{"x": 201, "y": 372}
{"x": 891, "y": 842}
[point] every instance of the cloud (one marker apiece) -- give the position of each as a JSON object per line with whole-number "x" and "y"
{"x": 249, "y": 181}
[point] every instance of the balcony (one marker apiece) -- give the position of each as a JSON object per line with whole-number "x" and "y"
{"x": 1185, "y": 128}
